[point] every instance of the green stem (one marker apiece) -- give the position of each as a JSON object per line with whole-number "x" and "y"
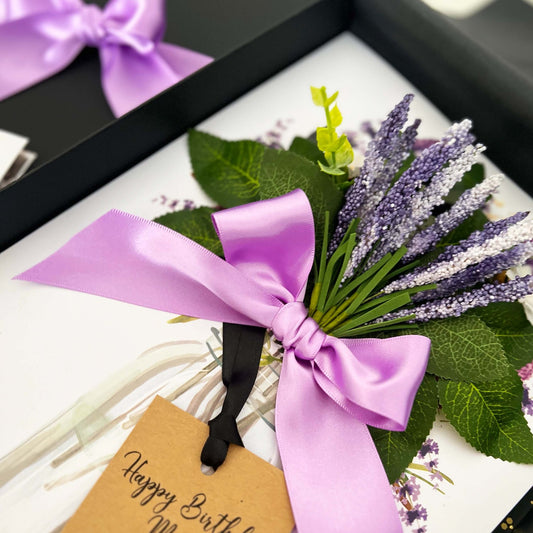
{"x": 381, "y": 326}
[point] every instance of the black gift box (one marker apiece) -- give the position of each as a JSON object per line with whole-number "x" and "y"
{"x": 81, "y": 146}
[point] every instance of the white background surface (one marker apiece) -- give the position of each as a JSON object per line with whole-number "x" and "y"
{"x": 462, "y": 8}
{"x": 56, "y": 344}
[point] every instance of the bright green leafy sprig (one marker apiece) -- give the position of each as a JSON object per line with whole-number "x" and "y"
{"x": 337, "y": 150}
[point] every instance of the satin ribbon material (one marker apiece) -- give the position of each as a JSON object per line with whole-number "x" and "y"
{"x": 39, "y": 38}
{"x": 329, "y": 388}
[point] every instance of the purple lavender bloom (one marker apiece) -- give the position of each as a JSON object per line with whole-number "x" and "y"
{"x": 188, "y": 205}
{"x": 381, "y": 163}
{"x": 366, "y": 127}
{"x": 410, "y": 488}
{"x": 416, "y": 513}
{"x": 527, "y": 403}
{"x": 490, "y": 241}
{"x": 426, "y": 199}
{"x": 454, "y": 306}
{"x": 429, "y": 446}
{"x": 435, "y": 475}
{"x": 272, "y": 137}
{"x": 526, "y": 371}
{"x": 474, "y": 274}
{"x": 431, "y": 464}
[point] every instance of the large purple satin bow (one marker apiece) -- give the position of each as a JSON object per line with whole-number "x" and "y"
{"x": 41, "y": 37}
{"x": 329, "y": 388}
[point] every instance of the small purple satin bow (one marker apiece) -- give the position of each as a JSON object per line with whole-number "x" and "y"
{"x": 39, "y": 38}
{"x": 329, "y": 388}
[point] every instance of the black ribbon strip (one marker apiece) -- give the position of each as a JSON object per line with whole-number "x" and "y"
{"x": 241, "y": 354}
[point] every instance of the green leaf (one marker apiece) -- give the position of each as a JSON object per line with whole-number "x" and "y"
{"x": 332, "y": 98}
{"x": 397, "y": 448}
{"x": 326, "y": 139}
{"x": 307, "y": 149}
{"x": 336, "y": 117}
{"x": 344, "y": 155}
{"x": 318, "y": 96}
{"x": 464, "y": 349}
{"x": 195, "y": 224}
{"x": 489, "y": 416}
{"x": 228, "y": 171}
{"x": 518, "y": 345}
{"x": 283, "y": 172}
{"x": 332, "y": 171}
{"x": 505, "y": 315}
{"x": 509, "y": 323}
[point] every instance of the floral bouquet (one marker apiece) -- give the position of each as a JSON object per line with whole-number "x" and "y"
{"x": 403, "y": 244}
{"x": 402, "y": 249}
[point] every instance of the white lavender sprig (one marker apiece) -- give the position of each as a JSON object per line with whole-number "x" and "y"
{"x": 471, "y": 200}
{"x": 455, "y": 259}
{"x": 455, "y": 306}
{"x": 475, "y": 274}
{"x": 489, "y": 230}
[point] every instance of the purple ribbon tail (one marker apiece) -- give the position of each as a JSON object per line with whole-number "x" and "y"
{"x": 332, "y": 469}
{"x": 130, "y": 79}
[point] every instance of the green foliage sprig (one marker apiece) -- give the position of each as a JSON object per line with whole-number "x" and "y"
{"x": 337, "y": 149}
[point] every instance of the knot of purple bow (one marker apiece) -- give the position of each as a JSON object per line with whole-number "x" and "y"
{"x": 38, "y": 39}
{"x": 297, "y": 331}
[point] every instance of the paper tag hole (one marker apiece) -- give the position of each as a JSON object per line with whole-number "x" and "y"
{"x": 207, "y": 470}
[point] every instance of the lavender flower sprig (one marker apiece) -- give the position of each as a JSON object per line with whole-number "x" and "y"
{"x": 382, "y": 160}
{"x": 471, "y": 200}
{"x": 490, "y": 230}
{"x": 455, "y": 306}
{"x": 464, "y": 256}
{"x": 475, "y": 274}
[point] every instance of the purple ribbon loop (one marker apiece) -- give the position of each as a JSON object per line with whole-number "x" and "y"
{"x": 39, "y": 38}
{"x": 329, "y": 388}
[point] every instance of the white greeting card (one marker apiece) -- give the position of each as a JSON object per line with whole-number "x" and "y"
{"x": 14, "y": 160}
